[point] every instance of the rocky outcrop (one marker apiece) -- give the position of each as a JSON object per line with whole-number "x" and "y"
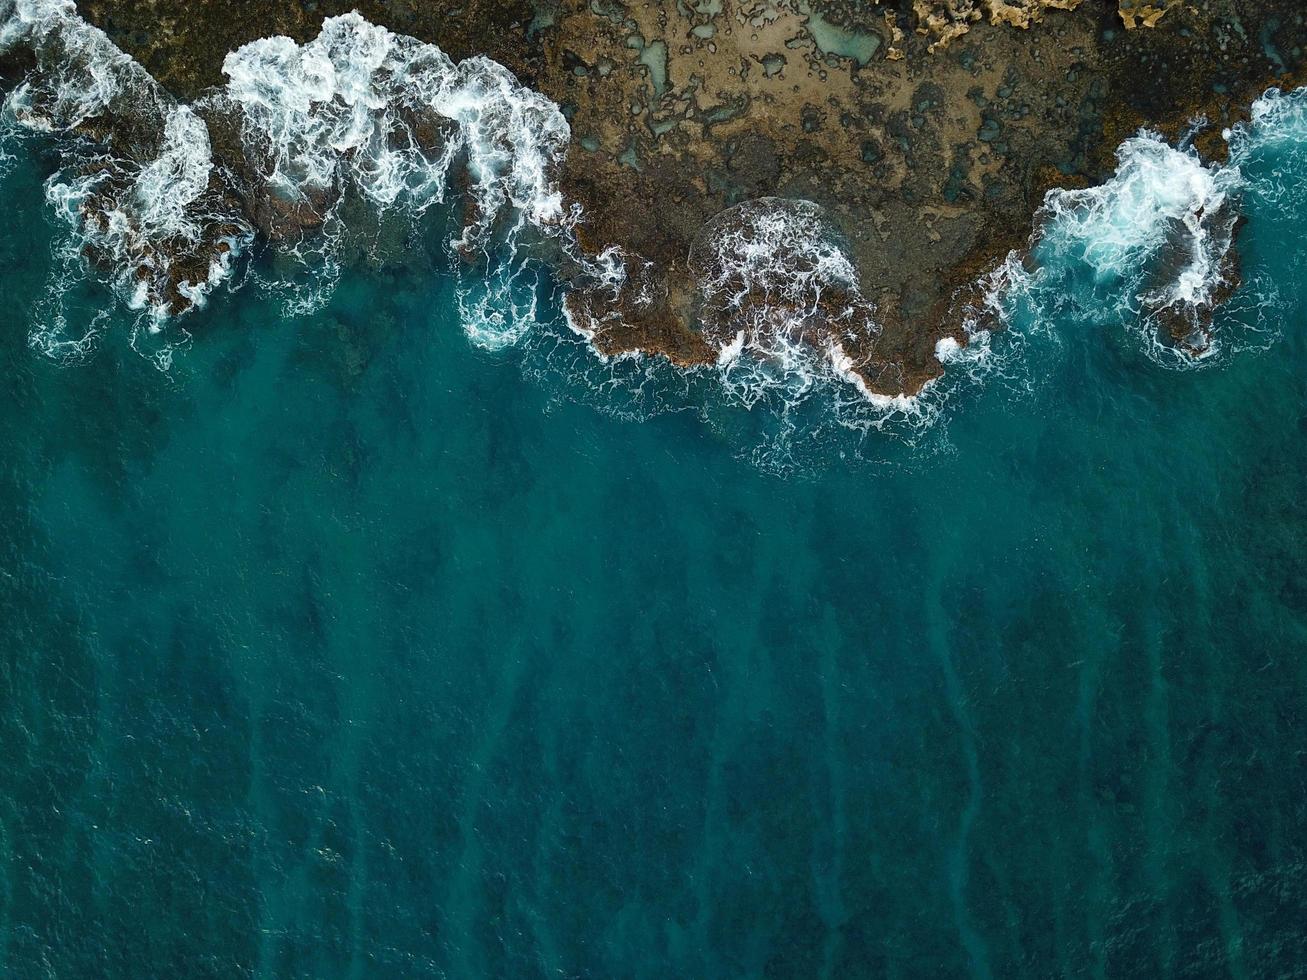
{"x": 928, "y": 166}
{"x": 1143, "y": 13}
{"x": 947, "y": 20}
{"x": 136, "y": 178}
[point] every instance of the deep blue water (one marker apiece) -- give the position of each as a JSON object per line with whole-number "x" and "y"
{"x": 345, "y": 648}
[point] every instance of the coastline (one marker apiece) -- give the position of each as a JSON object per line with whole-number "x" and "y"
{"x": 929, "y": 157}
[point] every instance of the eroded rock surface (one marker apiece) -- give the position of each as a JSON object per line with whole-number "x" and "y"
{"x": 926, "y": 133}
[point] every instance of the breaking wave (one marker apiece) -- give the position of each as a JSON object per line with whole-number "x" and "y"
{"x": 360, "y": 112}
{"x": 305, "y": 142}
{"x": 1159, "y": 235}
{"x": 780, "y": 304}
{"x": 150, "y": 211}
{"x": 301, "y": 134}
{"x": 1152, "y": 250}
{"x": 779, "y": 300}
{"x": 318, "y": 151}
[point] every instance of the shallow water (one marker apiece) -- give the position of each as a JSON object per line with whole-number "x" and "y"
{"x": 345, "y": 647}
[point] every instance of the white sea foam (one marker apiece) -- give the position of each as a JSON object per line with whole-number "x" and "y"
{"x": 79, "y": 73}
{"x": 145, "y": 213}
{"x": 358, "y": 110}
{"x": 777, "y": 294}
{"x": 362, "y": 110}
{"x": 1271, "y": 151}
{"x": 387, "y": 114}
{"x": 1157, "y": 237}
{"x": 606, "y": 284}
{"x": 782, "y": 304}
{"x": 360, "y": 114}
{"x": 1157, "y": 241}
{"x": 1276, "y": 118}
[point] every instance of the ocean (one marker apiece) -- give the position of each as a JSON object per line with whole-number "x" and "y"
{"x": 364, "y": 622}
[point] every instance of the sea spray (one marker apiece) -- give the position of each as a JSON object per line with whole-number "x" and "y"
{"x": 778, "y": 297}
{"x": 301, "y": 133}
{"x": 363, "y": 114}
{"x": 1156, "y": 240}
{"x": 360, "y": 110}
{"x": 136, "y": 189}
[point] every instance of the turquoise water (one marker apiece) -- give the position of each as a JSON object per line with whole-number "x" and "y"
{"x": 347, "y": 648}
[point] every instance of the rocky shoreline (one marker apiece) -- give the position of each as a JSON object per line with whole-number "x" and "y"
{"x": 924, "y": 134}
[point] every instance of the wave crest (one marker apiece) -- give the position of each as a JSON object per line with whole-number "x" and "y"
{"x": 364, "y": 109}
{"x": 139, "y": 192}
{"x": 778, "y": 298}
{"x": 1157, "y": 240}
{"x": 161, "y": 198}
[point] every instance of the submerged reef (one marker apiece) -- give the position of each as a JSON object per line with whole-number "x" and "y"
{"x": 922, "y": 138}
